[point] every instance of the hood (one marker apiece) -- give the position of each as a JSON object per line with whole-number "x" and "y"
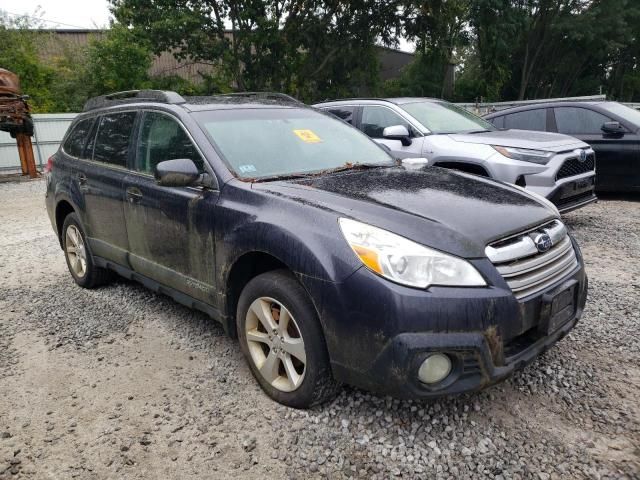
{"x": 448, "y": 210}
{"x": 551, "y": 142}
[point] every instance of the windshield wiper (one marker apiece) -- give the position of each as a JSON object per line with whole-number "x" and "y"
{"x": 341, "y": 168}
{"x": 478, "y": 131}
{"x": 284, "y": 176}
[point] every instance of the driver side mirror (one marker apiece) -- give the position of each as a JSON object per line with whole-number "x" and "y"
{"x": 397, "y": 132}
{"x": 179, "y": 173}
{"x": 613, "y": 127}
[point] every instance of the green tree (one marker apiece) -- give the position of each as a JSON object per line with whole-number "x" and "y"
{"x": 19, "y": 54}
{"x": 439, "y": 31}
{"x": 309, "y": 49}
{"x": 119, "y": 61}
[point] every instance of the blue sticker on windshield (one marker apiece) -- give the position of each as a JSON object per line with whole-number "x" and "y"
{"x": 247, "y": 168}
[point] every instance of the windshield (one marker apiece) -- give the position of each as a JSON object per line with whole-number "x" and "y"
{"x": 623, "y": 111}
{"x": 441, "y": 117}
{"x": 269, "y": 142}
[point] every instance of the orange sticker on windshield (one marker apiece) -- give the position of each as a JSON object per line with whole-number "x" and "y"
{"x": 307, "y": 136}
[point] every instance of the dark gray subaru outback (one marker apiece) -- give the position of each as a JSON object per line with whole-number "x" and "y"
{"x": 329, "y": 260}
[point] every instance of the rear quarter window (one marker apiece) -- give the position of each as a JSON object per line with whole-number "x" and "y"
{"x": 113, "y": 138}
{"x": 77, "y": 139}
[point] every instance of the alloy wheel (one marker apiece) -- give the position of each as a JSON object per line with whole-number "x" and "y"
{"x": 275, "y": 344}
{"x": 76, "y": 251}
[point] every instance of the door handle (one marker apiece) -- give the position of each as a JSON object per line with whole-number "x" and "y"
{"x": 82, "y": 181}
{"x": 134, "y": 195}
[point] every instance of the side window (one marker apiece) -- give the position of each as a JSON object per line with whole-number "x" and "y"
{"x": 112, "y": 140}
{"x": 498, "y": 121}
{"x": 75, "y": 142}
{"x": 376, "y": 119}
{"x": 527, "y": 120}
{"x": 573, "y": 120}
{"x": 162, "y": 138}
{"x": 344, "y": 113}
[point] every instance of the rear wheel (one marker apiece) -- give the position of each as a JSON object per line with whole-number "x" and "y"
{"x": 281, "y": 339}
{"x": 78, "y": 255}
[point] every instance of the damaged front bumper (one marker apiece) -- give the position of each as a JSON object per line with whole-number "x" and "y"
{"x": 379, "y": 340}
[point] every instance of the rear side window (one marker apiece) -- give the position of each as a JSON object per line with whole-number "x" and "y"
{"x": 162, "y": 138}
{"x": 527, "y": 120}
{"x": 112, "y": 140}
{"x": 574, "y": 120}
{"x": 343, "y": 113}
{"x": 75, "y": 142}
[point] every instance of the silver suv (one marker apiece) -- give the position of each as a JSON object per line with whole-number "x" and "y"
{"x": 557, "y": 167}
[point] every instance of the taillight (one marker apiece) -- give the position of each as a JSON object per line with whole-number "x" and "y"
{"x": 49, "y": 165}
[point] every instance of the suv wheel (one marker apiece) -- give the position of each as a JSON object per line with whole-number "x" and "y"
{"x": 281, "y": 339}
{"x": 78, "y": 255}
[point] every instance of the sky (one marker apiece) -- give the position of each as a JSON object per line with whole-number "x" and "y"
{"x": 62, "y": 13}
{"x": 80, "y": 14}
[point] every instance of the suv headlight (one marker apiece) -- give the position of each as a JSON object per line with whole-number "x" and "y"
{"x": 406, "y": 262}
{"x": 524, "y": 154}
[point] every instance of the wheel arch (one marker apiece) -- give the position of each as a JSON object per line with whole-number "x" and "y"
{"x": 63, "y": 209}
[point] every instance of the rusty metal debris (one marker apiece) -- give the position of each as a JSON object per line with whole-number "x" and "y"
{"x": 15, "y": 118}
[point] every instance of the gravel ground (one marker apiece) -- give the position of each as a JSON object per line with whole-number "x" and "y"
{"x": 122, "y": 383}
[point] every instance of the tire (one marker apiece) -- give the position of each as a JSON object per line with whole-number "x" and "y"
{"x": 78, "y": 255}
{"x": 276, "y": 298}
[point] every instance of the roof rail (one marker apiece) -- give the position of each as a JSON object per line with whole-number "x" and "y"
{"x": 260, "y": 95}
{"x": 133, "y": 96}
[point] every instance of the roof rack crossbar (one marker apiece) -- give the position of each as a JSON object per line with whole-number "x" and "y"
{"x": 132, "y": 96}
{"x": 263, "y": 95}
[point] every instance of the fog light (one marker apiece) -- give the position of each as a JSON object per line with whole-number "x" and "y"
{"x": 435, "y": 368}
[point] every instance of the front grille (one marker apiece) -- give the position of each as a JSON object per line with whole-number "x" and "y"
{"x": 575, "y": 199}
{"x": 573, "y": 166}
{"x": 528, "y": 271}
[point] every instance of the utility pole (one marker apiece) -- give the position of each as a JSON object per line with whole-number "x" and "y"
{"x": 15, "y": 118}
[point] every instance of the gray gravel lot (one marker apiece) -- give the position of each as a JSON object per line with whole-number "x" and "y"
{"x": 122, "y": 383}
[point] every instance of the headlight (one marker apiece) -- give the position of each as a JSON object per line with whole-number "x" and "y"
{"x": 406, "y": 262}
{"x": 524, "y": 154}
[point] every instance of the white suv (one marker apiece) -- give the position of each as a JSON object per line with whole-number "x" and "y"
{"x": 557, "y": 167}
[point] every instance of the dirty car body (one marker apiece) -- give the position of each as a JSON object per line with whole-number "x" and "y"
{"x": 203, "y": 243}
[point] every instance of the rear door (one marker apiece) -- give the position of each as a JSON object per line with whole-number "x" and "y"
{"x": 614, "y": 152}
{"x": 535, "y": 119}
{"x": 100, "y": 180}
{"x": 375, "y": 118}
{"x": 170, "y": 230}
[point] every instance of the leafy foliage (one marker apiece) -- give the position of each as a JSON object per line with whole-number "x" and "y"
{"x": 496, "y": 49}
{"x": 310, "y": 49}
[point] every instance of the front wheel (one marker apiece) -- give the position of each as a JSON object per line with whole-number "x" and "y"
{"x": 281, "y": 339}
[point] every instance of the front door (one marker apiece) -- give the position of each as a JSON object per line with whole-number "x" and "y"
{"x": 615, "y": 153}
{"x": 170, "y": 230}
{"x": 375, "y": 118}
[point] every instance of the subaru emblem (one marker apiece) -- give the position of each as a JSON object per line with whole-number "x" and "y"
{"x": 543, "y": 242}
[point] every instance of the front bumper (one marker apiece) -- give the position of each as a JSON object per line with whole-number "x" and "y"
{"x": 478, "y": 360}
{"x": 378, "y": 341}
{"x": 574, "y": 194}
